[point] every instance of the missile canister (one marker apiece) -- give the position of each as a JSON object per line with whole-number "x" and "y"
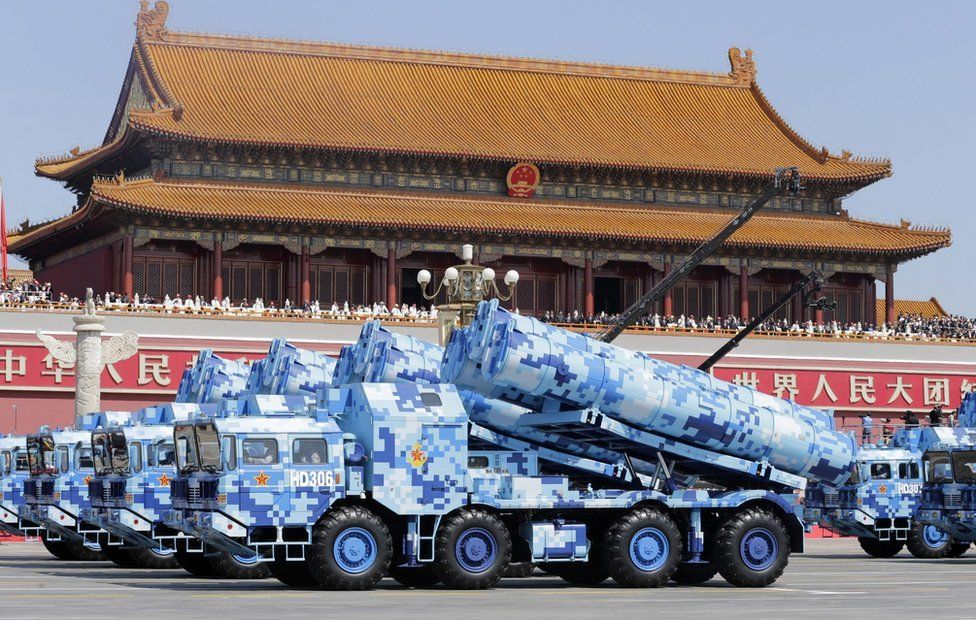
{"x": 391, "y": 364}
{"x": 212, "y": 379}
{"x": 701, "y": 411}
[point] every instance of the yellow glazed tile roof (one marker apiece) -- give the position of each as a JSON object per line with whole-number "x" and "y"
{"x": 929, "y": 309}
{"x": 274, "y": 92}
{"x": 522, "y": 219}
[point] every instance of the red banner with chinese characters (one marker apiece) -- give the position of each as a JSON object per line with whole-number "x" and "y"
{"x": 149, "y": 371}
{"x": 855, "y": 390}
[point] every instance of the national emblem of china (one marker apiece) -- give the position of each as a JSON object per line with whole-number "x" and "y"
{"x": 522, "y": 180}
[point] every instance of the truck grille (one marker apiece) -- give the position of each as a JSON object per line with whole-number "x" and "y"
{"x": 969, "y": 499}
{"x": 831, "y": 499}
{"x": 196, "y": 492}
{"x": 952, "y": 499}
{"x": 848, "y": 498}
{"x": 38, "y": 490}
{"x": 106, "y": 491}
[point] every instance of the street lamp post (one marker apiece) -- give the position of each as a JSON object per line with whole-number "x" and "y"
{"x": 466, "y": 285}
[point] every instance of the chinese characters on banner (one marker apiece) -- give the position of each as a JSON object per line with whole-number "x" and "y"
{"x": 150, "y": 370}
{"x": 854, "y": 389}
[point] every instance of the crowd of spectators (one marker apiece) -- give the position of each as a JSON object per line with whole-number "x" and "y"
{"x": 24, "y": 292}
{"x": 905, "y": 327}
{"x": 31, "y": 293}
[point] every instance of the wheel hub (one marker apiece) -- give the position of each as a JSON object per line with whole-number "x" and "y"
{"x": 355, "y": 550}
{"x": 649, "y": 549}
{"x": 759, "y": 549}
{"x": 475, "y": 550}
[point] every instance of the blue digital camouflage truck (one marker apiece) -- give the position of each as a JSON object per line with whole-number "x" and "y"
{"x": 60, "y": 467}
{"x": 13, "y": 472}
{"x": 949, "y": 468}
{"x": 878, "y": 503}
{"x": 647, "y": 472}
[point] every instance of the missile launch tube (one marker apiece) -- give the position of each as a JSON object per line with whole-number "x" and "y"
{"x": 644, "y": 397}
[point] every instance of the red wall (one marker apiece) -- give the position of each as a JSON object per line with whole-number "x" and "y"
{"x": 74, "y": 275}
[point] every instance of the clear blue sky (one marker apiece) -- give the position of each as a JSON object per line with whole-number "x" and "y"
{"x": 893, "y": 79}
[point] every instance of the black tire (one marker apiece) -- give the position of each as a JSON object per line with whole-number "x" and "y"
{"x": 472, "y": 549}
{"x": 518, "y": 570}
{"x": 880, "y": 548}
{"x": 642, "y": 548}
{"x": 227, "y": 565}
{"x": 119, "y": 556}
{"x": 57, "y": 548}
{"x": 294, "y": 574}
{"x": 153, "y": 559}
{"x": 928, "y": 541}
{"x": 762, "y": 537}
{"x": 196, "y": 564}
{"x": 422, "y": 576}
{"x": 80, "y": 552}
{"x": 694, "y": 574}
{"x": 368, "y": 541}
{"x": 958, "y": 549}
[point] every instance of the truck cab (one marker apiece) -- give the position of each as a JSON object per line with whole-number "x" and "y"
{"x": 949, "y": 490}
{"x": 13, "y": 472}
{"x": 60, "y": 466}
{"x": 134, "y": 464}
{"x": 877, "y": 504}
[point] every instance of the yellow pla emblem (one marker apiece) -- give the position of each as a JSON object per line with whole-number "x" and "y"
{"x": 261, "y": 479}
{"x": 163, "y": 480}
{"x": 883, "y": 488}
{"x": 417, "y": 456}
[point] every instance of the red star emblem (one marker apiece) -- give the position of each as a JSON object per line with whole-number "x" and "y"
{"x": 261, "y": 479}
{"x": 417, "y": 456}
{"x": 883, "y": 488}
{"x": 163, "y": 480}
{"x": 88, "y": 478}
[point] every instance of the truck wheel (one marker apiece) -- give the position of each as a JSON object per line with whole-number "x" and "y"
{"x": 422, "y": 576}
{"x": 80, "y": 552}
{"x": 351, "y": 549}
{"x": 642, "y": 549}
{"x": 153, "y": 558}
{"x": 752, "y": 548}
{"x": 518, "y": 570}
{"x": 472, "y": 549}
{"x": 928, "y": 541}
{"x": 57, "y": 548}
{"x": 694, "y": 574}
{"x": 196, "y": 564}
{"x": 589, "y": 573}
{"x": 232, "y": 566}
{"x": 294, "y": 574}
{"x": 120, "y": 557}
{"x": 880, "y": 548}
{"x": 958, "y": 549}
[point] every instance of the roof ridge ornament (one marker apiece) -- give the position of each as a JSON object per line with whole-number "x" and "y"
{"x": 743, "y": 66}
{"x": 150, "y": 23}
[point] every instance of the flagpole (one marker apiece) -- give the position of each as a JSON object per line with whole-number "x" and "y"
{"x": 3, "y": 234}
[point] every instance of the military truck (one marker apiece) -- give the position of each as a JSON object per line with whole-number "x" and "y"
{"x": 949, "y": 471}
{"x": 13, "y": 472}
{"x": 60, "y": 466}
{"x": 654, "y": 472}
{"x": 878, "y": 503}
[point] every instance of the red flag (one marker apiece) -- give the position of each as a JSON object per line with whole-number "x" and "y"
{"x": 3, "y": 235}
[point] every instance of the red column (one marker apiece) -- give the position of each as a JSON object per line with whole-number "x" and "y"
{"x": 743, "y": 293}
{"x": 218, "y": 271}
{"x": 890, "y": 295}
{"x": 391, "y": 288}
{"x": 588, "y": 286}
{"x": 127, "y": 266}
{"x": 668, "y": 298}
{"x": 306, "y": 267}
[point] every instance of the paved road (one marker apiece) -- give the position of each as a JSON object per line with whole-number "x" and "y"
{"x": 833, "y": 579}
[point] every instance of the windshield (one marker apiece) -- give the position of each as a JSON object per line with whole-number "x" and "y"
{"x": 937, "y": 467}
{"x": 20, "y": 460}
{"x": 208, "y": 445}
{"x": 964, "y": 466}
{"x": 103, "y": 466}
{"x": 118, "y": 453}
{"x": 40, "y": 455}
{"x": 186, "y": 449}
